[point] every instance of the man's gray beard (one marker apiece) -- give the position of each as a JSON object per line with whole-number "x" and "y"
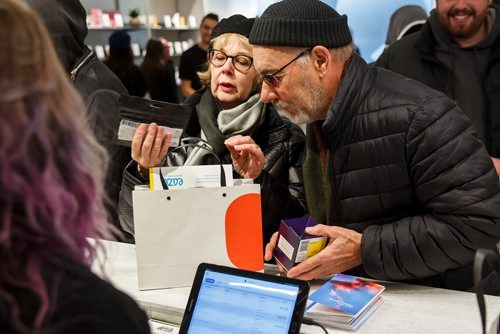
{"x": 316, "y": 97}
{"x": 299, "y": 118}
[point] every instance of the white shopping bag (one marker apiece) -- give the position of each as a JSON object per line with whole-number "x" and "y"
{"x": 176, "y": 230}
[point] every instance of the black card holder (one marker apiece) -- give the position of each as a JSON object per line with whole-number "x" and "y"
{"x": 136, "y": 110}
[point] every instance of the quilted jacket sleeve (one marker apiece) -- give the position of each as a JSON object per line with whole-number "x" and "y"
{"x": 458, "y": 189}
{"x": 282, "y": 186}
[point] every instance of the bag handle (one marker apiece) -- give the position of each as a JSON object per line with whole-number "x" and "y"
{"x": 195, "y": 142}
{"x": 481, "y": 255}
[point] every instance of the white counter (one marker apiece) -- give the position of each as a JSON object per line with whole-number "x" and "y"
{"x": 406, "y": 309}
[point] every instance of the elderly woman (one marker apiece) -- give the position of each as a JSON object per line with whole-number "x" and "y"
{"x": 51, "y": 179}
{"x": 242, "y": 130}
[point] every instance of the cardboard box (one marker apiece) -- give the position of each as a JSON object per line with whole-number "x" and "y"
{"x": 294, "y": 244}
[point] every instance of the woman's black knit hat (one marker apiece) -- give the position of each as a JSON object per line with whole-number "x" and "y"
{"x": 237, "y": 24}
{"x": 301, "y": 23}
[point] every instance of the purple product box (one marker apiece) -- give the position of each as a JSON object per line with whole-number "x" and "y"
{"x": 294, "y": 244}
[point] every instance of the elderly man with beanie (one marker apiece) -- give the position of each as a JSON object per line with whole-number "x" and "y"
{"x": 402, "y": 187}
{"x": 242, "y": 131}
{"x": 99, "y": 87}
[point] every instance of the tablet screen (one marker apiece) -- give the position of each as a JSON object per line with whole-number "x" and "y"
{"x": 228, "y": 301}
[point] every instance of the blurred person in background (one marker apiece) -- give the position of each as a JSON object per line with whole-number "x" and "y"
{"x": 51, "y": 175}
{"x": 194, "y": 58}
{"x": 456, "y": 52}
{"x": 121, "y": 61}
{"x": 159, "y": 71}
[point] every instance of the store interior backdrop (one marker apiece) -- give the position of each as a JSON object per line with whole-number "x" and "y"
{"x": 368, "y": 19}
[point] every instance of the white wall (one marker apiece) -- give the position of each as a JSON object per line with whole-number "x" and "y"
{"x": 225, "y": 8}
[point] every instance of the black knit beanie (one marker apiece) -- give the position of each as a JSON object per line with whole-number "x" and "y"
{"x": 301, "y": 23}
{"x": 237, "y": 24}
{"x": 119, "y": 41}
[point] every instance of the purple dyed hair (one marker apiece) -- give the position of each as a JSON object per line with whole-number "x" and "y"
{"x": 51, "y": 168}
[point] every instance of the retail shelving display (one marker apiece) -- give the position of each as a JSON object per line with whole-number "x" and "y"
{"x": 175, "y": 20}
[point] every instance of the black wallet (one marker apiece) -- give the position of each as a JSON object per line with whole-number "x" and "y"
{"x": 136, "y": 110}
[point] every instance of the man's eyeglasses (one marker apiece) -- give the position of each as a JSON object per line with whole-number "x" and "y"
{"x": 273, "y": 79}
{"x": 240, "y": 62}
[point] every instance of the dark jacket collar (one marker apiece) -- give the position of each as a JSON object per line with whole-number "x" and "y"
{"x": 427, "y": 41}
{"x": 357, "y": 80}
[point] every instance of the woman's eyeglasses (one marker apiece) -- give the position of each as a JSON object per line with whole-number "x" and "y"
{"x": 240, "y": 62}
{"x": 273, "y": 79}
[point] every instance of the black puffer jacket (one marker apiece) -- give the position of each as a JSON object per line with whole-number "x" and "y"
{"x": 411, "y": 176}
{"x": 414, "y": 57}
{"x": 281, "y": 180}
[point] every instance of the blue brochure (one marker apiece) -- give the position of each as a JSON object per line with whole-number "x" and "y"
{"x": 347, "y": 294}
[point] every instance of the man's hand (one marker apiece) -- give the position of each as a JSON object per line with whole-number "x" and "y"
{"x": 248, "y": 159}
{"x": 342, "y": 253}
{"x": 268, "y": 253}
{"x": 149, "y": 146}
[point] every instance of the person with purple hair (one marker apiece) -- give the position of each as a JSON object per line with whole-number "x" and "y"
{"x": 51, "y": 201}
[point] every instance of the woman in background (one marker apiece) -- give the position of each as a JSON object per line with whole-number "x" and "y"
{"x": 121, "y": 62}
{"x": 51, "y": 176}
{"x": 159, "y": 71}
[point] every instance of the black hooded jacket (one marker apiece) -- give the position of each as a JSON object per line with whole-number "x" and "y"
{"x": 420, "y": 57}
{"x": 97, "y": 85}
{"x": 66, "y": 22}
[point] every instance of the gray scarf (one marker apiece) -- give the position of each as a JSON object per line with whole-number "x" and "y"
{"x": 241, "y": 120}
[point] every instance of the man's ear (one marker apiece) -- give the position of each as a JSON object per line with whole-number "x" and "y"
{"x": 322, "y": 60}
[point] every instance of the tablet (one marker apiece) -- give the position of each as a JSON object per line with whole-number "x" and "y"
{"x": 229, "y": 300}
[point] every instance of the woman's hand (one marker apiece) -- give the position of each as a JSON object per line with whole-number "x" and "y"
{"x": 248, "y": 159}
{"x": 149, "y": 146}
